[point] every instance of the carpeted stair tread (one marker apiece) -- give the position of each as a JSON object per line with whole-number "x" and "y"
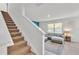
{"x": 12, "y": 27}
{"x": 14, "y": 30}
{"x": 18, "y": 45}
{"x": 18, "y": 38}
{"x": 21, "y": 51}
{"x": 9, "y": 24}
{"x": 14, "y": 34}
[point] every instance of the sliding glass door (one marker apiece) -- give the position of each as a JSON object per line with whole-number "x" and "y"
{"x": 55, "y": 28}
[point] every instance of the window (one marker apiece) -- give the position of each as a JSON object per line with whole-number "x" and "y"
{"x": 36, "y": 23}
{"x": 58, "y": 28}
{"x": 50, "y": 28}
{"x": 55, "y": 28}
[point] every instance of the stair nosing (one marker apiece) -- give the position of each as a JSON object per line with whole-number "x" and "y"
{"x": 19, "y": 43}
{"x": 18, "y": 37}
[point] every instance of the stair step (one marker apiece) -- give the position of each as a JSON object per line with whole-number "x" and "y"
{"x": 18, "y": 38}
{"x": 8, "y": 20}
{"x": 10, "y": 24}
{"x": 12, "y": 27}
{"x": 14, "y": 34}
{"x": 14, "y": 30}
{"x": 21, "y": 51}
{"x": 18, "y": 45}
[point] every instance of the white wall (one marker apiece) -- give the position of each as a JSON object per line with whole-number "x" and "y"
{"x": 30, "y": 33}
{"x": 3, "y": 6}
{"x": 72, "y": 22}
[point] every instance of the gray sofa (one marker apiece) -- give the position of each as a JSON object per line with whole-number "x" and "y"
{"x": 55, "y": 37}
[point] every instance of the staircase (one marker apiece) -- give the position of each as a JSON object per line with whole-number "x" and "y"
{"x": 20, "y": 46}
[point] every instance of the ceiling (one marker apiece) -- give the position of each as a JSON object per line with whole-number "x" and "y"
{"x": 51, "y": 11}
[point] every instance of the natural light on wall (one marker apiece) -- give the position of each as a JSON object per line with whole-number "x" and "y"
{"x": 67, "y": 29}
